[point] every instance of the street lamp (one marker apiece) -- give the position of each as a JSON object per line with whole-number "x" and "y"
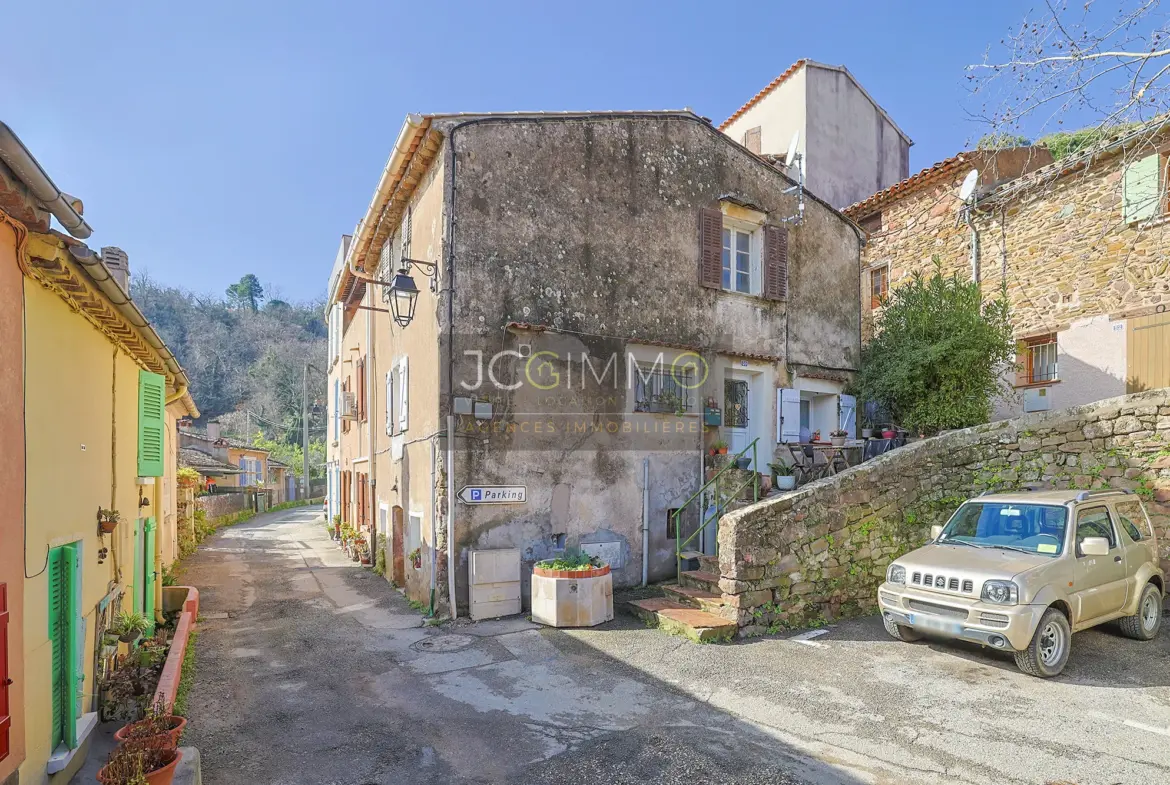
{"x": 403, "y": 292}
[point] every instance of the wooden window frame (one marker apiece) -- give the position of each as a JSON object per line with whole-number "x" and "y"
{"x": 871, "y": 224}
{"x": 755, "y": 257}
{"x": 875, "y": 299}
{"x": 1164, "y": 181}
{"x": 1031, "y": 345}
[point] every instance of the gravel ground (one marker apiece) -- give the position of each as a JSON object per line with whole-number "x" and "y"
{"x": 312, "y": 670}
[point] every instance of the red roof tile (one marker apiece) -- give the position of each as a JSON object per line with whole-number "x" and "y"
{"x": 755, "y": 99}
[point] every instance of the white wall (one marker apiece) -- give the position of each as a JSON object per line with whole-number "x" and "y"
{"x": 778, "y": 115}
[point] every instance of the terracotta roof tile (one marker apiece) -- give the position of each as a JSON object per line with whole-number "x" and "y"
{"x": 912, "y": 183}
{"x": 755, "y": 99}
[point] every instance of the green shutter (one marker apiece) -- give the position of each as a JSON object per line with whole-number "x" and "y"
{"x": 1140, "y": 190}
{"x": 148, "y": 584}
{"x": 152, "y": 393}
{"x": 62, "y": 571}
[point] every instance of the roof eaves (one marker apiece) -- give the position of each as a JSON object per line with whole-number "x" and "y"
{"x": 906, "y": 187}
{"x": 762, "y": 94}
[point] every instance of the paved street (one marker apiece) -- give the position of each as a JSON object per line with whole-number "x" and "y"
{"x": 312, "y": 670}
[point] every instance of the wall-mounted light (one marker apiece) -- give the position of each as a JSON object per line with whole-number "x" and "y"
{"x": 404, "y": 293}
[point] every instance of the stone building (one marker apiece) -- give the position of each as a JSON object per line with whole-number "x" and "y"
{"x": 849, "y": 145}
{"x": 590, "y": 285}
{"x": 1078, "y": 244}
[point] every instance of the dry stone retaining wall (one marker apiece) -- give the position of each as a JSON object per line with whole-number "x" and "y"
{"x": 218, "y": 505}
{"x": 820, "y": 552}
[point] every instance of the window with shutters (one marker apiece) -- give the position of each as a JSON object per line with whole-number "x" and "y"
{"x": 151, "y": 425}
{"x": 403, "y": 389}
{"x": 871, "y": 224}
{"x": 879, "y": 285}
{"x": 1037, "y": 361}
{"x": 751, "y": 139}
{"x": 361, "y": 389}
{"x": 1143, "y": 183}
{"x": 345, "y": 421}
{"x": 740, "y": 255}
{"x": 5, "y": 711}
{"x": 743, "y": 256}
{"x": 390, "y": 402}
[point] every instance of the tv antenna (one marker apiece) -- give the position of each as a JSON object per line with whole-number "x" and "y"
{"x": 794, "y": 159}
{"x": 968, "y": 187}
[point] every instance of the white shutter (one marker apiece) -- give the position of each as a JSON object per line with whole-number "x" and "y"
{"x": 788, "y": 415}
{"x": 403, "y": 388}
{"x": 390, "y": 403}
{"x": 849, "y": 415}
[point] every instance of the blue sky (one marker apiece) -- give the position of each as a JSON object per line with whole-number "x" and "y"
{"x": 218, "y": 138}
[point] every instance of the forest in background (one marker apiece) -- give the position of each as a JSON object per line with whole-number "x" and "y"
{"x": 245, "y": 354}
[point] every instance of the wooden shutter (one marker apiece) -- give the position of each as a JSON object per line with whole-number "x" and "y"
{"x": 404, "y": 388}
{"x": 390, "y": 403}
{"x": 5, "y": 712}
{"x": 711, "y": 248}
{"x": 775, "y": 262}
{"x": 751, "y": 139}
{"x": 63, "y": 645}
{"x": 1141, "y": 189}
{"x": 361, "y": 389}
{"x": 151, "y": 425}
{"x": 1023, "y": 364}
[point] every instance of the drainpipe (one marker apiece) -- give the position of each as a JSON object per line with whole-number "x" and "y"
{"x": 65, "y": 208}
{"x": 645, "y": 520}
{"x": 974, "y": 240}
{"x": 434, "y": 531}
{"x": 371, "y": 490}
{"x": 451, "y": 516}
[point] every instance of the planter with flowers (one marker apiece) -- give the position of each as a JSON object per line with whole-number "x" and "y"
{"x": 837, "y": 438}
{"x": 108, "y": 520}
{"x": 573, "y": 590}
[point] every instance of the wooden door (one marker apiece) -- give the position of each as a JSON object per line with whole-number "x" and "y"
{"x": 397, "y": 537}
{"x": 1148, "y": 353}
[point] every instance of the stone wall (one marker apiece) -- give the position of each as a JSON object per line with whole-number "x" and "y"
{"x": 821, "y": 552}
{"x": 217, "y": 505}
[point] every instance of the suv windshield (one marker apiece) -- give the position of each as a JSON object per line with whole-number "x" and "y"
{"x": 1034, "y": 528}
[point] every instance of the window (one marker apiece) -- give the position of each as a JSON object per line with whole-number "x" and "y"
{"x": 663, "y": 390}
{"x": 1038, "y": 360}
{"x": 414, "y": 532}
{"x": 1095, "y": 523}
{"x": 1133, "y": 520}
{"x": 735, "y": 403}
{"x": 1143, "y": 188}
{"x": 151, "y": 425}
{"x": 737, "y": 260}
{"x": 872, "y": 224}
{"x": 336, "y": 409}
{"x": 751, "y": 139}
{"x": 361, "y": 389}
{"x": 879, "y": 285}
{"x": 1035, "y": 528}
{"x": 403, "y": 388}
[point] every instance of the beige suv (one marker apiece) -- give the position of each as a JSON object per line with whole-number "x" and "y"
{"x": 1021, "y": 572}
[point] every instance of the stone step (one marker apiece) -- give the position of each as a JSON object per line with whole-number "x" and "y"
{"x": 695, "y": 598}
{"x": 700, "y": 579}
{"x": 699, "y": 626}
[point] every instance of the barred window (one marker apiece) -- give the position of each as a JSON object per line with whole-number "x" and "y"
{"x": 659, "y": 389}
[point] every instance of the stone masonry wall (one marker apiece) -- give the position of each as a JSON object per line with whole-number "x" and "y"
{"x": 217, "y": 505}
{"x": 820, "y": 552}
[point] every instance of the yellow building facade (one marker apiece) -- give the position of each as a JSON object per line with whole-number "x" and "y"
{"x": 102, "y": 399}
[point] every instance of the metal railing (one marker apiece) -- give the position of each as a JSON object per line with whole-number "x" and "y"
{"x": 721, "y": 499}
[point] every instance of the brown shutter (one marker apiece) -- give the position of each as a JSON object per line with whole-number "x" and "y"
{"x": 711, "y": 248}
{"x": 775, "y": 262}
{"x": 1023, "y": 372}
{"x": 751, "y": 140}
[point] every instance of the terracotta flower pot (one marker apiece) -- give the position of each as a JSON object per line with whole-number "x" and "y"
{"x": 171, "y": 737}
{"x": 162, "y": 776}
{"x": 107, "y": 527}
{"x": 723, "y": 451}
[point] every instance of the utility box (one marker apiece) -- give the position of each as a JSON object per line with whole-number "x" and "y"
{"x": 495, "y": 583}
{"x": 1036, "y": 399}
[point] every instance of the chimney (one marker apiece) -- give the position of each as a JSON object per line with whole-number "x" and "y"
{"x": 118, "y": 263}
{"x": 213, "y": 430}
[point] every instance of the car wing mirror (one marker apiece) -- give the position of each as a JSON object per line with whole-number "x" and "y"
{"x": 935, "y": 532}
{"x": 1095, "y": 546}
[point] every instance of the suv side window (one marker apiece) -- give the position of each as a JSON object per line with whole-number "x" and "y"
{"x": 1094, "y": 522}
{"x": 1133, "y": 520}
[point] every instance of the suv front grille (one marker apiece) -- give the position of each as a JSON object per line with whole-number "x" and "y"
{"x": 943, "y": 582}
{"x": 941, "y": 610}
{"x": 993, "y": 619}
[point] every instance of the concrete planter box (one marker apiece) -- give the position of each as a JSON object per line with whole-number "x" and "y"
{"x": 572, "y": 598}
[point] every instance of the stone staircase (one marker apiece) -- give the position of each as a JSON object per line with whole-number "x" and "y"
{"x": 692, "y": 607}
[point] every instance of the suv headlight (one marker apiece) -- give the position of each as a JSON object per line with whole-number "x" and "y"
{"x": 1001, "y": 592}
{"x": 896, "y": 574}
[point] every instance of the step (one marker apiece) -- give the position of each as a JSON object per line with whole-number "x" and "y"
{"x": 707, "y": 561}
{"x": 699, "y": 626}
{"x": 700, "y": 579}
{"x": 695, "y": 598}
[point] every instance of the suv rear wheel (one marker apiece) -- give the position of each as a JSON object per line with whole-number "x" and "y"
{"x": 900, "y": 631}
{"x": 1144, "y": 624}
{"x": 1051, "y": 644}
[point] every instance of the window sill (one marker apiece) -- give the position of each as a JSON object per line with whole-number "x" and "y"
{"x": 63, "y": 756}
{"x": 1030, "y": 385}
{"x": 750, "y": 296}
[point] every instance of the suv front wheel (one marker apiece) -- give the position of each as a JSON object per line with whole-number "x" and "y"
{"x": 1051, "y": 644}
{"x": 1144, "y": 624}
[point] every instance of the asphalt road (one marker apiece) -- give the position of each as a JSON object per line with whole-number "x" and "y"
{"x": 312, "y": 670}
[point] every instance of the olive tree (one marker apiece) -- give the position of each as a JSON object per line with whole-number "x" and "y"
{"x": 939, "y": 354}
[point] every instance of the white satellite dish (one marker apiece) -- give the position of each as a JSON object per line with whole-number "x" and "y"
{"x": 968, "y": 186}
{"x": 791, "y": 156}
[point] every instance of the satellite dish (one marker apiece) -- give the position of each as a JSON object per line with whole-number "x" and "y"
{"x": 968, "y": 186}
{"x": 791, "y": 156}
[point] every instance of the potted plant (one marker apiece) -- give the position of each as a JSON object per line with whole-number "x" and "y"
{"x": 837, "y": 438}
{"x": 336, "y": 527}
{"x": 157, "y": 729}
{"x": 108, "y": 520}
{"x": 743, "y": 462}
{"x": 415, "y": 558}
{"x": 188, "y": 477}
{"x": 133, "y": 764}
{"x": 129, "y": 625}
{"x": 888, "y": 432}
{"x": 783, "y": 478}
{"x": 572, "y": 590}
{"x": 720, "y": 447}
{"x": 866, "y": 429}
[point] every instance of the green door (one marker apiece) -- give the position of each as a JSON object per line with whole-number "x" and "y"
{"x": 147, "y": 557}
{"x": 139, "y": 576}
{"x": 63, "y": 567}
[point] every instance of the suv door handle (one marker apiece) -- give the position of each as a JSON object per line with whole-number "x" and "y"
{"x": 1116, "y": 558}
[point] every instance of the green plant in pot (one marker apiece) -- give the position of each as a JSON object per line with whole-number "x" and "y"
{"x": 129, "y": 625}
{"x": 783, "y": 476}
{"x": 720, "y": 447}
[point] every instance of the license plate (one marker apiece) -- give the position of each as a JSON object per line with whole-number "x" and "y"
{"x": 935, "y": 624}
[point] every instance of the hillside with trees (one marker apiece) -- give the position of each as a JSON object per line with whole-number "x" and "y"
{"x": 245, "y": 354}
